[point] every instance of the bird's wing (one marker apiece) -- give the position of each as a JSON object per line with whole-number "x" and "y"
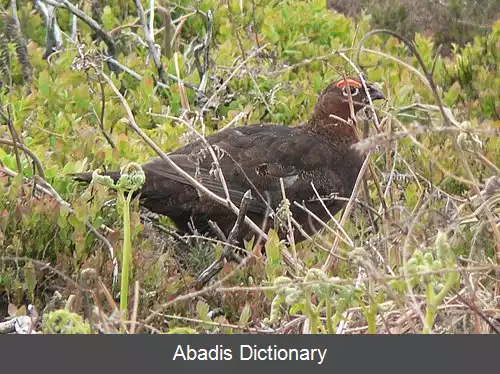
{"x": 255, "y": 158}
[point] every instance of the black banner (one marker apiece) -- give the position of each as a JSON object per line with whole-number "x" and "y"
{"x": 224, "y": 353}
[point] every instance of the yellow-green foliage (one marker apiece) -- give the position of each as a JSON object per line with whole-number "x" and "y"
{"x": 65, "y": 322}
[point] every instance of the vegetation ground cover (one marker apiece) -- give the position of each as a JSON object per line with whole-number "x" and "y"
{"x": 417, "y": 251}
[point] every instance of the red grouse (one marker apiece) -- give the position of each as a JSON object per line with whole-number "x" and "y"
{"x": 255, "y": 157}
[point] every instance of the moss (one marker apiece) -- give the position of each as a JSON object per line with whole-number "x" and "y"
{"x": 64, "y": 322}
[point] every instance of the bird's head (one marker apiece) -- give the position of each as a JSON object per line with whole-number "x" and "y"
{"x": 334, "y": 100}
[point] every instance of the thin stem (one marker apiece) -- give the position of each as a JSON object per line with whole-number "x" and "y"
{"x": 373, "y": 309}
{"x": 127, "y": 253}
{"x": 329, "y": 316}
{"x": 431, "y": 309}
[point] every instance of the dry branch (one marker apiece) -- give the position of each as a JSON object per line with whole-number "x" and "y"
{"x": 228, "y": 252}
{"x": 151, "y": 43}
{"x": 95, "y": 26}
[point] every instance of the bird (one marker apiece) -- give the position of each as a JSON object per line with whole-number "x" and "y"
{"x": 264, "y": 158}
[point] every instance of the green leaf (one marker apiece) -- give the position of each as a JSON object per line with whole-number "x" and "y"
{"x": 182, "y": 330}
{"x": 76, "y": 223}
{"x": 273, "y": 246}
{"x": 452, "y": 94}
{"x": 246, "y": 313}
{"x": 411, "y": 196}
{"x": 30, "y": 279}
{"x": 202, "y": 310}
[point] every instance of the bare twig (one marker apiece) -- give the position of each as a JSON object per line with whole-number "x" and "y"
{"x": 324, "y": 224}
{"x": 347, "y": 210}
{"x": 95, "y": 26}
{"x": 135, "y": 308}
{"x": 233, "y": 73}
{"x": 290, "y": 234}
{"x": 151, "y": 43}
{"x": 139, "y": 78}
{"x": 101, "y": 118}
{"x": 227, "y": 252}
{"x": 341, "y": 229}
{"x": 54, "y": 40}
{"x": 217, "y": 324}
{"x": 15, "y": 137}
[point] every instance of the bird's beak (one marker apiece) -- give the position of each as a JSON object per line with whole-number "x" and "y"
{"x": 375, "y": 94}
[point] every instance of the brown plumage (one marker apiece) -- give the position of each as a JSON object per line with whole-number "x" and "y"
{"x": 255, "y": 157}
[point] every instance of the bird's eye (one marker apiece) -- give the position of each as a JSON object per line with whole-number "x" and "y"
{"x": 354, "y": 91}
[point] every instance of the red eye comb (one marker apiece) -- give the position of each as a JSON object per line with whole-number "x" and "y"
{"x": 351, "y": 83}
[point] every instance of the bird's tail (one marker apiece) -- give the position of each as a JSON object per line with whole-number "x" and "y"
{"x": 87, "y": 177}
